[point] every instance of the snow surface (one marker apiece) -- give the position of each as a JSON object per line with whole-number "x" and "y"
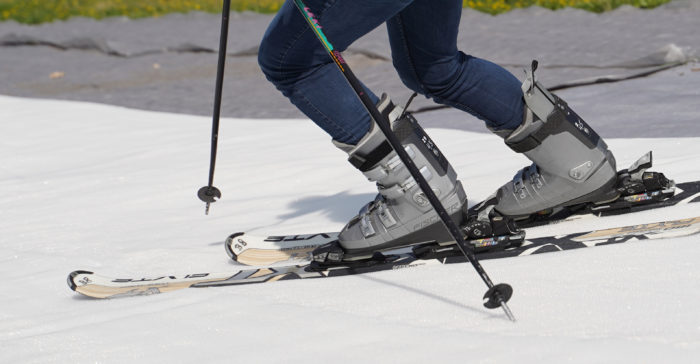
{"x": 113, "y": 190}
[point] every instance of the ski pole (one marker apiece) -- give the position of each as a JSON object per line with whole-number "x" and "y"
{"x": 209, "y": 193}
{"x": 497, "y": 295}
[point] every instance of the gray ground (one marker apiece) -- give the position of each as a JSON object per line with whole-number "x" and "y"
{"x": 113, "y": 61}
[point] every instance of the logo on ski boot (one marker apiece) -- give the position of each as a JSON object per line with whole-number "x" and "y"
{"x": 433, "y": 149}
{"x": 591, "y": 138}
{"x": 421, "y": 200}
{"x": 434, "y": 218}
{"x": 582, "y": 126}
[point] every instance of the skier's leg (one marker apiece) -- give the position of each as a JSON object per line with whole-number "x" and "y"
{"x": 295, "y": 62}
{"x": 292, "y": 59}
{"x": 423, "y": 38}
{"x": 572, "y": 164}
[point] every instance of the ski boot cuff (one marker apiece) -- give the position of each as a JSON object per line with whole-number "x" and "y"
{"x": 571, "y": 162}
{"x": 401, "y": 213}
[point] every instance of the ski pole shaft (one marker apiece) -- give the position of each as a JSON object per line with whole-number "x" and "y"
{"x": 507, "y": 311}
{"x": 210, "y": 193}
{"x": 223, "y": 42}
{"x": 403, "y": 155}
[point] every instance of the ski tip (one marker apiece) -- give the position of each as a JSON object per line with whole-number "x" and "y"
{"x": 228, "y": 245}
{"x": 71, "y": 282}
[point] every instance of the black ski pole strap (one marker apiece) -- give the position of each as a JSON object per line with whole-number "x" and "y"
{"x": 365, "y": 163}
{"x": 555, "y": 119}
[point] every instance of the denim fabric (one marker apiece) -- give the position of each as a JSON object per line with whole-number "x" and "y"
{"x": 423, "y": 37}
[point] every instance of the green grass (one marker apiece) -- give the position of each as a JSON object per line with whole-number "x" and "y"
{"x": 597, "y": 6}
{"x": 41, "y": 11}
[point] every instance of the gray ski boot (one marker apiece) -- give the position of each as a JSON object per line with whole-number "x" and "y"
{"x": 572, "y": 166}
{"x": 571, "y": 162}
{"x": 400, "y": 215}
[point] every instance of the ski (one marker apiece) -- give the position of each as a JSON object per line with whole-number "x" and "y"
{"x": 257, "y": 250}
{"x": 94, "y": 285}
{"x": 267, "y": 250}
{"x": 684, "y": 193}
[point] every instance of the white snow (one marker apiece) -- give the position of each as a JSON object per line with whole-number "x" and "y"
{"x": 113, "y": 190}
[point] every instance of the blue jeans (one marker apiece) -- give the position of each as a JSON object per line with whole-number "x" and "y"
{"x": 423, "y": 37}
